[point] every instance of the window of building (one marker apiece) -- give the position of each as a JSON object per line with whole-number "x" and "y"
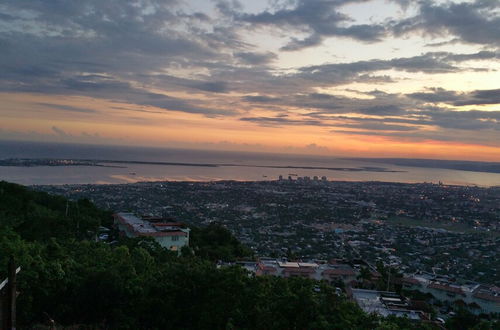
{"x": 175, "y": 238}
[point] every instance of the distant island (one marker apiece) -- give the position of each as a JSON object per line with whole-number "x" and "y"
{"x": 461, "y": 165}
{"x": 33, "y": 162}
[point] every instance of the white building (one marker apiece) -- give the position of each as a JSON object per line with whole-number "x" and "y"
{"x": 170, "y": 235}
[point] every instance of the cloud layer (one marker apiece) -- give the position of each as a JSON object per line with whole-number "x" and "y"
{"x": 227, "y": 59}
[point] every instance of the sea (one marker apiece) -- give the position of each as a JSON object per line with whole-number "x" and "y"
{"x": 215, "y": 165}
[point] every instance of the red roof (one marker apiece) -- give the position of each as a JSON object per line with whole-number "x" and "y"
{"x": 266, "y": 268}
{"x": 167, "y": 224}
{"x": 302, "y": 270}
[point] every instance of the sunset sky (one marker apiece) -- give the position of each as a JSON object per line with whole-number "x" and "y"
{"x": 360, "y": 78}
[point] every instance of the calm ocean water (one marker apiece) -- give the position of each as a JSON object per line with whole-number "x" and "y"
{"x": 144, "y": 172}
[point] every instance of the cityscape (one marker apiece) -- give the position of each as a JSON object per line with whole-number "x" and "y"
{"x": 439, "y": 239}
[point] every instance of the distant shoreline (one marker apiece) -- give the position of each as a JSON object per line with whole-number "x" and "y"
{"x": 49, "y": 163}
{"x": 34, "y": 162}
{"x": 470, "y": 166}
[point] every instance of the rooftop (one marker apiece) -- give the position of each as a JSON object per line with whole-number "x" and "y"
{"x": 138, "y": 225}
{"x": 145, "y": 228}
{"x": 383, "y": 303}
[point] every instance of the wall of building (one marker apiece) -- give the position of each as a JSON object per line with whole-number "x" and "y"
{"x": 171, "y": 243}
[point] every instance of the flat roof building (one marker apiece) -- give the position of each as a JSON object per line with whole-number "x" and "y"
{"x": 170, "y": 235}
{"x": 385, "y": 303}
{"x": 485, "y": 297}
{"x": 312, "y": 270}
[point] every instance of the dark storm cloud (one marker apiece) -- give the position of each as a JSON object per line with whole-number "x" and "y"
{"x": 382, "y": 110}
{"x": 175, "y": 104}
{"x": 209, "y": 86}
{"x": 335, "y": 104}
{"x": 7, "y": 17}
{"x": 474, "y": 22}
{"x": 466, "y": 124}
{"x": 322, "y": 104}
{"x": 380, "y": 127}
{"x": 173, "y": 83}
{"x": 167, "y": 102}
{"x": 321, "y": 96}
{"x": 66, "y": 108}
{"x": 260, "y": 99}
{"x": 386, "y": 111}
{"x": 256, "y": 58}
{"x": 113, "y": 42}
{"x": 318, "y": 19}
{"x": 334, "y": 74}
{"x": 466, "y": 120}
{"x": 411, "y": 120}
{"x": 86, "y": 85}
{"x": 60, "y": 132}
{"x": 298, "y": 44}
{"x": 281, "y": 121}
{"x": 435, "y": 95}
{"x": 482, "y": 55}
{"x": 440, "y": 95}
{"x": 307, "y": 79}
{"x": 102, "y": 28}
{"x": 435, "y": 62}
{"x": 491, "y": 96}
{"x": 120, "y": 91}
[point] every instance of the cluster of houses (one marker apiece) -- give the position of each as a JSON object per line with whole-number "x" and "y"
{"x": 334, "y": 272}
{"x": 331, "y": 272}
{"x": 476, "y": 297}
{"x": 386, "y": 303}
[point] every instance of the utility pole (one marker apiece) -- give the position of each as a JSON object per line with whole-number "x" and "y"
{"x": 8, "y": 295}
{"x": 12, "y": 295}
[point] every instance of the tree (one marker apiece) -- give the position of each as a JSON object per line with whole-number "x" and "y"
{"x": 70, "y": 280}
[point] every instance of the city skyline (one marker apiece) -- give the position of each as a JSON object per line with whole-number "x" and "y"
{"x": 349, "y": 78}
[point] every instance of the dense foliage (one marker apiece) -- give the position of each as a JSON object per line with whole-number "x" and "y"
{"x": 70, "y": 278}
{"x": 215, "y": 242}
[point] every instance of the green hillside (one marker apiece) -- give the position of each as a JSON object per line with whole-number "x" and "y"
{"x": 70, "y": 279}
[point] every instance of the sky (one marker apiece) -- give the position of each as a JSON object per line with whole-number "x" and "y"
{"x": 366, "y": 78}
